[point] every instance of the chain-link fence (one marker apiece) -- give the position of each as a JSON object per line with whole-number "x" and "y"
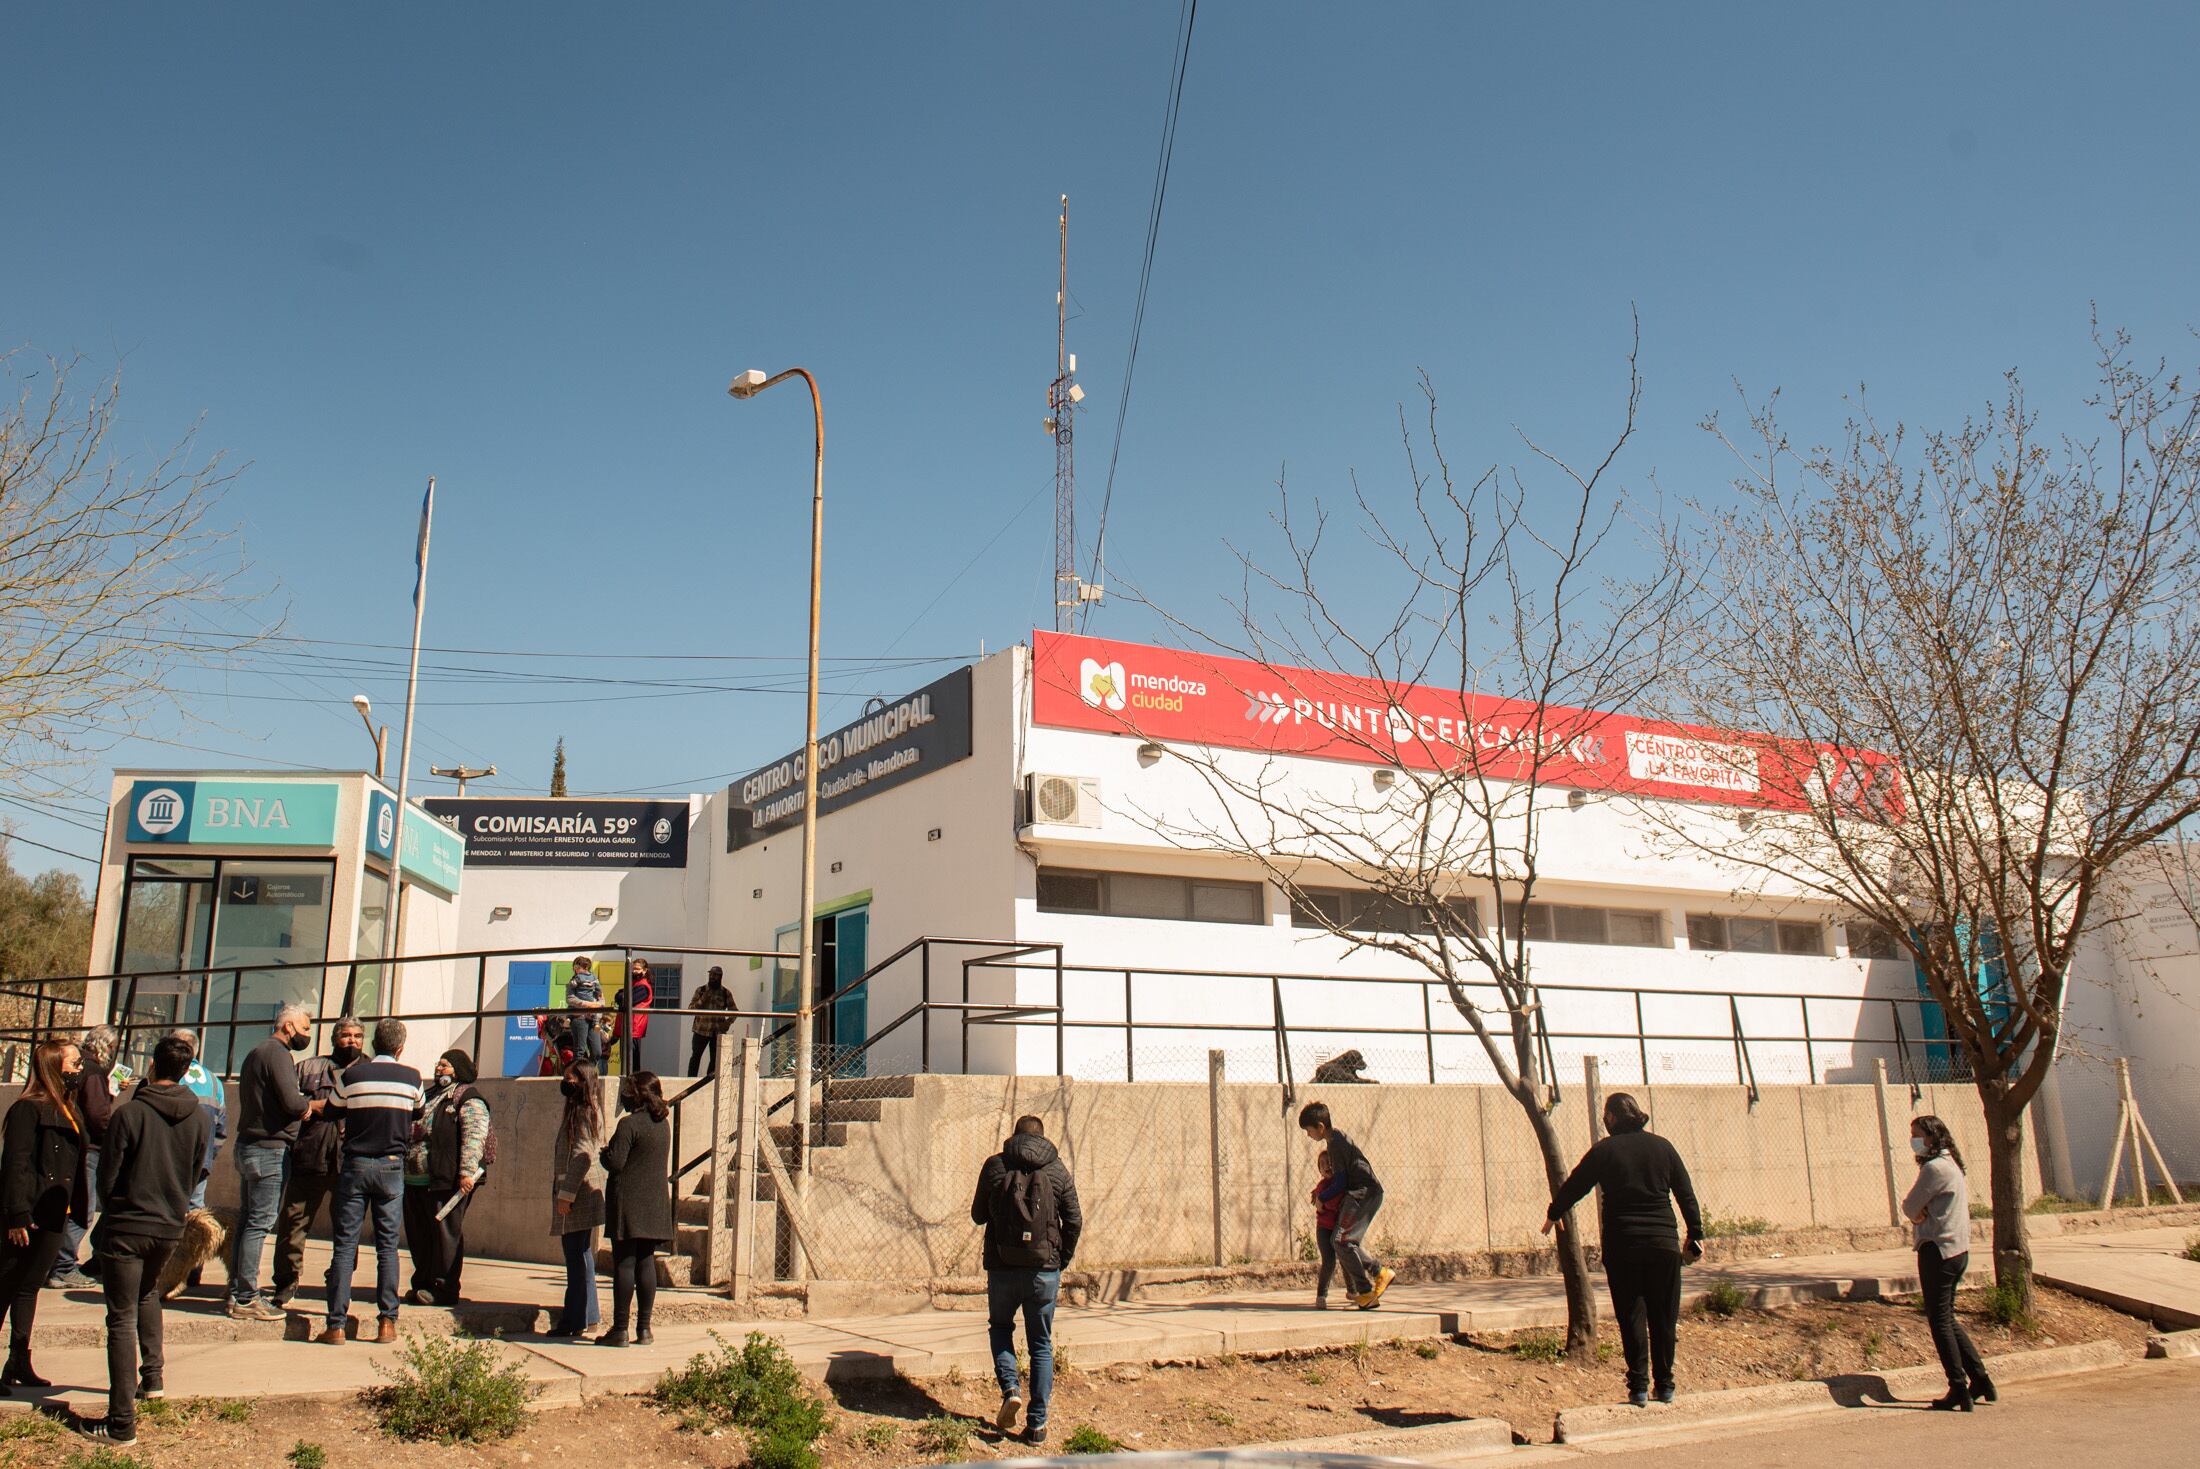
{"x": 1201, "y": 1161}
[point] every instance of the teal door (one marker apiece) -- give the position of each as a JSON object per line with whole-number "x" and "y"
{"x": 852, "y": 1011}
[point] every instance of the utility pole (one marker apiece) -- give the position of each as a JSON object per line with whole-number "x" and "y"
{"x": 461, "y": 774}
{"x": 1063, "y": 396}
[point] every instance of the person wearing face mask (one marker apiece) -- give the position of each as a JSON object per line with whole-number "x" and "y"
{"x": 449, "y": 1156}
{"x": 576, "y": 1191}
{"x": 270, "y": 1106}
{"x": 95, "y": 1104}
{"x": 638, "y": 1211}
{"x": 41, "y": 1190}
{"x": 315, "y": 1158}
{"x": 1939, "y": 1206}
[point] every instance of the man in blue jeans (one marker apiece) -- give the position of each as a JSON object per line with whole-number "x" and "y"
{"x": 270, "y": 1105}
{"x": 377, "y": 1098}
{"x": 1028, "y": 1204}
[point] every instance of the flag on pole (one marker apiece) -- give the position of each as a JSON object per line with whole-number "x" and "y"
{"x": 420, "y": 554}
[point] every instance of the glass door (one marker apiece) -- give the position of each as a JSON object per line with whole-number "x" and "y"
{"x": 167, "y": 923}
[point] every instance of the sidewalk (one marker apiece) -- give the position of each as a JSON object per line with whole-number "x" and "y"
{"x": 2142, "y": 1272}
{"x": 209, "y": 1356}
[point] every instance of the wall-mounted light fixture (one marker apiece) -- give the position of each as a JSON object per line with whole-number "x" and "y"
{"x": 836, "y": 867}
{"x": 1149, "y": 753}
{"x": 1575, "y": 800}
{"x": 756, "y": 892}
{"x": 601, "y": 915}
{"x": 1385, "y": 778}
{"x": 933, "y": 835}
{"x": 1745, "y": 820}
{"x": 499, "y": 913}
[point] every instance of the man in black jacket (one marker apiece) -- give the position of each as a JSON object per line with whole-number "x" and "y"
{"x": 316, "y": 1157}
{"x": 153, "y": 1158}
{"x": 269, "y": 1108}
{"x": 1028, "y": 1205}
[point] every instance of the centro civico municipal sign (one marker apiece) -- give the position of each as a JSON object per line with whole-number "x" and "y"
{"x": 910, "y": 737}
{"x": 236, "y": 813}
{"x": 567, "y": 833}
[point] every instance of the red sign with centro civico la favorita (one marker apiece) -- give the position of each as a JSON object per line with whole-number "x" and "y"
{"x": 1110, "y": 687}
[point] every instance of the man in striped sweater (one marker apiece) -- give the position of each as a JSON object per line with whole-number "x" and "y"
{"x": 376, "y": 1099}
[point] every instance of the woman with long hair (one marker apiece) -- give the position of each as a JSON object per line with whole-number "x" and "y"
{"x": 1641, "y": 1177}
{"x": 41, "y": 1192}
{"x": 1939, "y": 1206}
{"x": 638, "y": 1204}
{"x": 576, "y": 1187}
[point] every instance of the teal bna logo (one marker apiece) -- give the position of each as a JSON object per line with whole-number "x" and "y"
{"x": 161, "y": 810}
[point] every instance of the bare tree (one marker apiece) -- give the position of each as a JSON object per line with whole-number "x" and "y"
{"x": 1980, "y": 643}
{"x": 1498, "y": 597}
{"x": 103, "y": 569}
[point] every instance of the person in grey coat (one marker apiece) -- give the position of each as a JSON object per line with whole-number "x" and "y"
{"x": 637, "y": 1204}
{"x": 576, "y": 1188}
{"x": 1939, "y": 1206}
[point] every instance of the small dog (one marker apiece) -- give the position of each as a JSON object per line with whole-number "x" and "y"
{"x": 203, "y": 1236}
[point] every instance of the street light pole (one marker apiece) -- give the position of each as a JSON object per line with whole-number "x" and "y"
{"x": 748, "y": 385}
{"x": 381, "y": 737}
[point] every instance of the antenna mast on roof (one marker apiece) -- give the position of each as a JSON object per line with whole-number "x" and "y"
{"x": 1063, "y": 396}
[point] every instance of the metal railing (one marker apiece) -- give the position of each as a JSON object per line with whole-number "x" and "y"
{"x": 1899, "y": 1038}
{"x": 198, "y": 1006}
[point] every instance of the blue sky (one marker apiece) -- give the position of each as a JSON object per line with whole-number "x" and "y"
{"x": 524, "y": 248}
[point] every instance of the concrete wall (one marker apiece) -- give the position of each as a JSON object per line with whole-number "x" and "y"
{"x": 1459, "y": 1165}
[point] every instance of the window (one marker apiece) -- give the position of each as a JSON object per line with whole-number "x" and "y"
{"x": 1145, "y": 895}
{"x": 1359, "y": 911}
{"x": 1568, "y": 923}
{"x": 1728, "y": 933}
{"x": 1869, "y": 940}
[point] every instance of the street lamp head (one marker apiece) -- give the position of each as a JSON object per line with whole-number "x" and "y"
{"x": 361, "y": 703}
{"x": 746, "y": 384}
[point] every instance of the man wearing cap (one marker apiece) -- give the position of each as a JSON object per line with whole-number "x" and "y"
{"x": 703, "y": 1050}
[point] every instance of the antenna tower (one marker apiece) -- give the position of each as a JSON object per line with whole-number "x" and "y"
{"x": 1063, "y": 396}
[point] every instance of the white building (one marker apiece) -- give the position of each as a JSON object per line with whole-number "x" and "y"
{"x": 1025, "y": 815}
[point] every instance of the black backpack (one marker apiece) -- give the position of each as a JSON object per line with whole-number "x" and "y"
{"x": 1030, "y": 1229}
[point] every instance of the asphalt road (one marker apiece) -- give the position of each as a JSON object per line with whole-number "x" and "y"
{"x": 2136, "y": 1417}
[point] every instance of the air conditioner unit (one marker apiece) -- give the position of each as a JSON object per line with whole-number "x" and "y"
{"x": 1061, "y": 800}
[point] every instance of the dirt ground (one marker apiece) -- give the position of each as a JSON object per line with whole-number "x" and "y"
{"x": 1224, "y": 1401}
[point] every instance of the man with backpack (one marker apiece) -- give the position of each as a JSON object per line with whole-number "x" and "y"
{"x": 1028, "y": 1205}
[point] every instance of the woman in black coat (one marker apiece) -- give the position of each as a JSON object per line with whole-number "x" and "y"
{"x": 1641, "y": 1176}
{"x": 41, "y": 1191}
{"x": 638, "y": 1211}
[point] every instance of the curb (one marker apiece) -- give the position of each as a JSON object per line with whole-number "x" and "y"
{"x": 1469, "y": 1438}
{"x": 2173, "y": 1344}
{"x": 1788, "y": 1399}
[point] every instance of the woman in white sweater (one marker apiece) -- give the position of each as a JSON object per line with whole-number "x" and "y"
{"x": 1939, "y": 1205}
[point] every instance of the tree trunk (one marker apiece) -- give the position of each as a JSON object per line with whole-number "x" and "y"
{"x": 2005, "y": 1162}
{"x": 1573, "y": 1258}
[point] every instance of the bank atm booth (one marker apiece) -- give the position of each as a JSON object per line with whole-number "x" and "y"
{"x": 225, "y": 895}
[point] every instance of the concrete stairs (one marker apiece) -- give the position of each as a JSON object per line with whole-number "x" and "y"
{"x": 837, "y": 1121}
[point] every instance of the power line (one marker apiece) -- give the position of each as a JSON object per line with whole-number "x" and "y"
{"x": 243, "y": 640}
{"x": 9, "y": 836}
{"x": 51, "y": 814}
{"x": 1188, "y": 17}
{"x": 949, "y": 585}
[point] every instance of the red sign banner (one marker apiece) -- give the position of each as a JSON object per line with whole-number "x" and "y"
{"x": 1155, "y": 693}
